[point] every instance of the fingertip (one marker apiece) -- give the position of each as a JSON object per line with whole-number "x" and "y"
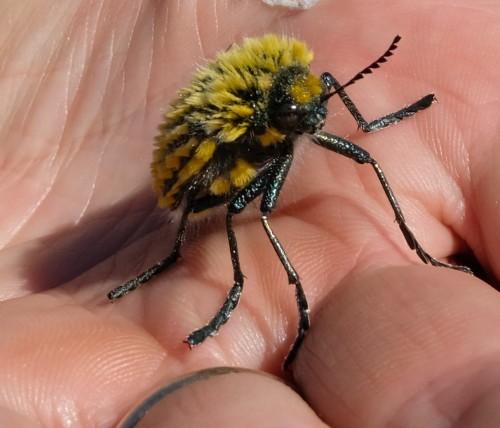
{"x": 401, "y": 343}
{"x": 223, "y": 397}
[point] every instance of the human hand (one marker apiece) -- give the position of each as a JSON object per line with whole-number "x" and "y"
{"x": 391, "y": 341}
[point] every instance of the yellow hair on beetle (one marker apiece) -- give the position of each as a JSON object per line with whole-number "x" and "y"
{"x": 216, "y": 122}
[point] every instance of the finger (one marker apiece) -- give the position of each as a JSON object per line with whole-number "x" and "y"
{"x": 404, "y": 347}
{"x": 65, "y": 364}
{"x": 224, "y": 397}
{"x": 485, "y": 177}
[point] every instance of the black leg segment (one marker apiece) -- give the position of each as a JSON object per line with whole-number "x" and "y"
{"x": 377, "y": 124}
{"x": 267, "y": 183}
{"x": 407, "y": 233}
{"x": 232, "y": 299}
{"x": 356, "y": 153}
{"x": 144, "y": 277}
{"x": 293, "y": 278}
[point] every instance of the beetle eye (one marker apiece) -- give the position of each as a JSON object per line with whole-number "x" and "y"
{"x": 287, "y": 117}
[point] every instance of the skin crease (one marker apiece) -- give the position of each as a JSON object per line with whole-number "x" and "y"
{"x": 393, "y": 343}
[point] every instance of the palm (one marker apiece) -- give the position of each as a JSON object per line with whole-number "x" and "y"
{"x": 79, "y": 215}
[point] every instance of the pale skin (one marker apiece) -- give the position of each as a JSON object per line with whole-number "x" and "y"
{"x": 392, "y": 342}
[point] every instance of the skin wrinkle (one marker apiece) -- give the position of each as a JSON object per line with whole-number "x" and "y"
{"x": 33, "y": 96}
{"x": 57, "y": 153}
{"x": 88, "y": 46}
{"x": 216, "y": 19}
{"x": 480, "y": 407}
{"x": 457, "y": 161}
{"x": 197, "y": 26}
{"x": 431, "y": 391}
{"x": 87, "y": 70}
{"x": 88, "y": 199}
{"x": 72, "y": 70}
{"x": 93, "y": 182}
{"x": 170, "y": 323}
{"x": 133, "y": 22}
{"x": 154, "y": 27}
{"x": 69, "y": 160}
{"x": 448, "y": 374}
{"x": 179, "y": 2}
{"x": 135, "y": 34}
{"x": 54, "y": 58}
{"x": 317, "y": 367}
{"x": 164, "y": 24}
{"x": 28, "y": 215}
{"x": 419, "y": 345}
{"x": 371, "y": 377}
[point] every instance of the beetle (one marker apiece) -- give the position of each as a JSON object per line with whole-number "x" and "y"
{"x": 229, "y": 138}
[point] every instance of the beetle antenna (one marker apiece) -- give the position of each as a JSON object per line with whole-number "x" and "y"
{"x": 368, "y": 70}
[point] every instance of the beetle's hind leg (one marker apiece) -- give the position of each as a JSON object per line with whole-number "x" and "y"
{"x": 157, "y": 268}
{"x": 293, "y": 278}
{"x": 235, "y": 206}
{"x": 233, "y": 297}
{"x": 407, "y": 233}
{"x": 352, "y": 151}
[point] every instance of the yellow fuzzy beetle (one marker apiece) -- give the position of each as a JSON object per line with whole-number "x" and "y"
{"x": 229, "y": 138}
